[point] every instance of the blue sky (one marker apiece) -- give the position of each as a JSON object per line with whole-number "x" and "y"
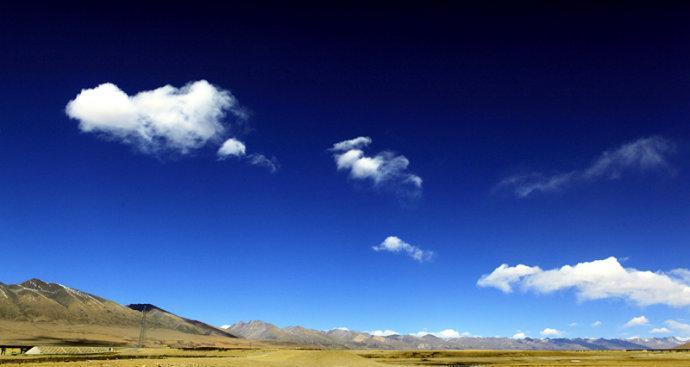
{"x": 536, "y": 140}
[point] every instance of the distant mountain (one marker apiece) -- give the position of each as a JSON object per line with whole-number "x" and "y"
{"x": 658, "y": 343}
{"x": 260, "y": 330}
{"x": 685, "y": 345}
{"x": 39, "y": 311}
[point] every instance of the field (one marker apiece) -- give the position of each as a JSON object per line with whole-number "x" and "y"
{"x": 63, "y": 333}
{"x": 342, "y": 358}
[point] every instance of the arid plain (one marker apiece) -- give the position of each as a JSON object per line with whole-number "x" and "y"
{"x": 348, "y": 358}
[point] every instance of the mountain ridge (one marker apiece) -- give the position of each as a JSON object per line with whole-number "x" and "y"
{"x": 52, "y": 312}
{"x": 37, "y": 311}
{"x": 340, "y": 338}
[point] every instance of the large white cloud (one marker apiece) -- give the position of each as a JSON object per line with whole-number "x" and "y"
{"x": 178, "y": 119}
{"x": 383, "y": 169}
{"x": 395, "y": 244}
{"x": 598, "y": 279}
{"x": 641, "y": 155}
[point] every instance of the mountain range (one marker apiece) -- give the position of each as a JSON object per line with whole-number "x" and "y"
{"x": 38, "y": 312}
{"x": 342, "y": 338}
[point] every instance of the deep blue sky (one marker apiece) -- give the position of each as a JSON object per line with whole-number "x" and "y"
{"x": 470, "y": 95}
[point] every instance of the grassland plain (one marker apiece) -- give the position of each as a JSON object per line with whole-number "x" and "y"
{"x": 348, "y": 358}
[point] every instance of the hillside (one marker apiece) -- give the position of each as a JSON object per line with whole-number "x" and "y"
{"x": 37, "y": 311}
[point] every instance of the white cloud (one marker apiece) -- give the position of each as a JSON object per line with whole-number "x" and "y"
{"x": 443, "y": 334}
{"x": 262, "y": 161}
{"x": 598, "y": 279}
{"x": 596, "y": 323}
{"x": 232, "y": 147}
{"x": 519, "y": 335}
{"x": 503, "y": 276}
{"x": 356, "y": 143}
{"x": 385, "y": 169}
{"x": 637, "y": 321}
{"x": 383, "y": 332}
{"x": 573, "y": 324}
{"x": 225, "y": 326}
{"x": 548, "y": 332}
{"x": 660, "y": 330}
{"x": 678, "y": 326}
{"x": 395, "y": 244}
{"x": 166, "y": 118}
{"x": 642, "y": 155}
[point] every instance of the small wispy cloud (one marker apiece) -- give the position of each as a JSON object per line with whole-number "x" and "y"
{"x": 678, "y": 326}
{"x": 596, "y": 323}
{"x": 385, "y": 169}
{"x": 660, "y": 330}
{"x": 383, "y": 332}
{"x": 261, "y": 160}
{"x": 598, "y": 279}
{"x": 396, "y": 245}
{"x": 637, "y": 321}
{"x": 642, "y": 155}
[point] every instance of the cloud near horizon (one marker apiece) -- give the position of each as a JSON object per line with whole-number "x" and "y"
{"x": 383, "y": 332}
{"x": 642, "y": 155}
{"x": 385, "y": 169}
{"x": 678, "y": 326}
{"x": 519, "y": 335}
{"x": 549, "y": 332}
{"x": 396, "y": 245}
{"x": 595, "y": 280}
{"x": 637, "y": 321}
{"x": 443, "y": 334}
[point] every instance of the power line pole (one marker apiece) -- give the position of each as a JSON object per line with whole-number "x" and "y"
{"x": 142, "y": 331}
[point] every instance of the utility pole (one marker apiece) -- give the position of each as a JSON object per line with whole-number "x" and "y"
{"x": 142, "y": 331}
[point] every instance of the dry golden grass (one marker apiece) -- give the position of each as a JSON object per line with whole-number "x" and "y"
{"x": 340, "y": 358}
{"x": 24, "y": 333}
{"x": 531, "y": 358}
